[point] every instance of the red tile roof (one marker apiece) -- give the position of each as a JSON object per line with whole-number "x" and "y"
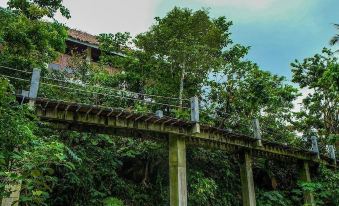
{"x": 83, "y": 36}
{"x": 87, "y": 38}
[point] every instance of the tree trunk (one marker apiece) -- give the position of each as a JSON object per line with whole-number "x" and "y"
{"x": 181, "y": 90}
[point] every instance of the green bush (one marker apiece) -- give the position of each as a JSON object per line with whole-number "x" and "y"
{"x": 272, "y": 198}
{"x": 113, "y": 201}
{"x": 202, "y": 189}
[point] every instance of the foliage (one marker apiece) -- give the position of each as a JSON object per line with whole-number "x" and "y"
{"x": 28, "y": 43}
{"x": 213, "y": 178}
{"x": 131, "y": 73}
{"x": 190, "y": 43}
{"x": 112, "y": 43}
{"x": 37, "y": 9}
{"x": 240, "y": 92}
{"x": 26, "y": 157}
{"x": 319, "y": 74}
{"x": 112, "y": 201}
{"x": 335, "y": 39}
{"x": 183, "y": 54}
{"x": 324, "y": 187}
{"x": 272, "y": 198}
{"x": 202, "y": 189}
{"x": 111, "y": 166}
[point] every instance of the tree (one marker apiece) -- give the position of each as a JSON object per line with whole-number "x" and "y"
{"x": 241, "y": 91}
{"x": 189, "y": 42}
{"x": 37, "y": 9}
{"x": 179, "y": 54}
{"x": 320, "y": 110}
{"x": 27, "y": 43}
{"x": 335, "y": 38}
{"x": 26, "y": 154}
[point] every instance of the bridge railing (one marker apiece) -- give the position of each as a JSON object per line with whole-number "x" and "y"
{"x": 34, "y": 85}
{"x": 77, "y": 91}
{"x": 73, "y": 90}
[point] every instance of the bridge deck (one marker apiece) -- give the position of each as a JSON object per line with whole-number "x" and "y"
{"x": 120, "y": 122}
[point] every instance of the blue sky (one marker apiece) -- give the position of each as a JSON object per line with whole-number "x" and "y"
{"x": 278, "y": 31}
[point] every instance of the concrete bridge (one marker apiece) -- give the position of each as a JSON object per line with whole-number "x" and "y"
{"x": 179, "y": 134}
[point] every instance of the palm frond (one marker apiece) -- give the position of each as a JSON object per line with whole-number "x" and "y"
{"x": 334, "y": 40}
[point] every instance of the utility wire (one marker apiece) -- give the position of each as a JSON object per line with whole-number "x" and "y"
{"x": 264, "y": 130}
{"x": 59, "y": 80}
{"x": 148, "y": 95}
{"x": 123, "y": 97}
{"x": 13, "y": 69}
{"x": 82, "y": 90}
{"x": 16, "y": 78}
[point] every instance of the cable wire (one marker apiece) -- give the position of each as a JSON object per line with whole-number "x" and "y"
{"x": 264, "y": 130}
{"x": 148, "y": 95}
{"x": 140, "y": 100}
{"x": 16, "y": 78}
{"x": 13, "y": 69}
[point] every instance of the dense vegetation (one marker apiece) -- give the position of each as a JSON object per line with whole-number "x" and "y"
{"x": 183, "y": 54}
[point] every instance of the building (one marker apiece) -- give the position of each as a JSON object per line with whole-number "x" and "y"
{"x": 81, "y": 43}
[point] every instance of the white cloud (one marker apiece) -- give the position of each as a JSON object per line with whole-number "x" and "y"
{"x": 3, "y": 3}
{"x": 298, "y": 102}
{"x": 109, "y": 16}
{"x": 249, "y": 11}
{"x": 254, "y": 4}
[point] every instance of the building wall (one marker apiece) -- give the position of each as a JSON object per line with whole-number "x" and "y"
{"x": 64, "y": 61}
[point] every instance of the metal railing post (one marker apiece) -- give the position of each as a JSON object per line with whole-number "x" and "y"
{"x": 315, "y": 148}
{"x": 159, "y": 113}
{"x": 195, "y": 114}
{"x": 331, "y": 152}
{"x": 33, "y": 90}
{"x": 257, "y": 131}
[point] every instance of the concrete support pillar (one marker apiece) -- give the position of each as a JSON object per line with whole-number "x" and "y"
{"x": 13, "y": 199}
{"x": 177, "y": 171}
{"x": 305, "y": 176}
{"x": 247, "y": 182}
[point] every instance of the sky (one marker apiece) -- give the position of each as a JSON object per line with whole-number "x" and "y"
{"x": 278, "y": 31}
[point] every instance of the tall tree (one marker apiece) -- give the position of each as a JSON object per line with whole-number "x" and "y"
{"x": 27, "y": 154}
{"x": 320, "y": 110}
{"x": 190, "y": 42}
{"x": 26, "y": 39}
{"x": 241, "y": 91}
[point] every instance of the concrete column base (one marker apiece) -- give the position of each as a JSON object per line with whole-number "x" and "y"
{"x": 13, "y": 199}
{"x": 305, "y": 176}
{"x": 247, "y": 182}
{"x": 177, "y": 171}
